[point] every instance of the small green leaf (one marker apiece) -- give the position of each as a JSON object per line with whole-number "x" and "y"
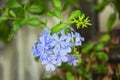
{"x": 37, "y": 58}
{"x": 51, "y": 14}
{"x": 34, "y": 22}
{"x": 13, "y": 4}
{"x": 117, "y": 6}
{"x": 57, "y": 4}
{"x": 69, "y": 76}
{"x": 16, "y": 25}
{"x": 100, "y": 68}
{"x": 57, "y": 28}
{"x": 100, "y": 6}
{"x": 82, "y": 16}
{"x": 12, "y": 13}
{"x": 5, "y": 31}
{"x": 10, "y": 36}
{"x": 56, "y": 13}
{"x": 19, "y": 23}
{"x": 35, "y": 8}
{"x": 99, "y": 46}
{"x": 74, "y": 3}
{"x": 105, "y": 38}
{"x": 74, "y": 14}
{"x": 102, "y": 56}
{"x": 111, "y": 21}
{"x": 2, "y": 18}
{"x": 88, "y": 47}
{"x": 7, "y": 12}
{"x": 20, "y": 12}
{"x": 27, "y": 16}
{"x": 78, "y": 56}
{"x": 66, "y": 5}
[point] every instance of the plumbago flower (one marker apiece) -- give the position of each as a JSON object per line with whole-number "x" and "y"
{"x": 55, "y": 49}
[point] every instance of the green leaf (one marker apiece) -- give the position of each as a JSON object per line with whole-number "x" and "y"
{"x": 57, "y": 4}
{"x": 10, "y": 36}
{"x": 20, "y": 12}
{"x": 78, "y": 56}
{"x": 104, "y": 38}
{"x": 66, "y": 5}
{"x": 69, "y": 76}
{"x": 111, "y": 21}
{"x": 2, "y": 18}
{"x": 13, "y": 4}
{"x": 35, "y": 8}
{"x": 27, "y": 16}
{"x": 117, "y": 6}
{"x": 34, "y": 22}
{"x": 7, "y": 12}
{"x": 99, "y": 46}
{"x": 100, "y": 6}
{"x": 82, "y": 16}
{"x": 16, "y": 25}
{"x": 74, "y": 14}
{"x": 100, "y": 68}
{"x": 37, "y": 59}
{"x": 102, "y": 56}
{"x": 56, "y": 13}
{"x": 5, "y": 31}
{"x": 57, "y": 28}
{"x": 51, "y": 14}
{"x": 12, "y": 13}
{"x": 19, "y": 23}
{"x": 86, "y": 48}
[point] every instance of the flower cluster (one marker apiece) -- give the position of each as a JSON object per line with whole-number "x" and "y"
{"x": 55, "y": 49}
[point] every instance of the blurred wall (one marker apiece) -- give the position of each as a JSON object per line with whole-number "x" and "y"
{"x": 16, "y": 60}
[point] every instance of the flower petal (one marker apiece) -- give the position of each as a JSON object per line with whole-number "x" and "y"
{"x": 50, "y": 67}
{"x": 64, "y": 58}
{"x": 59, "y": 62}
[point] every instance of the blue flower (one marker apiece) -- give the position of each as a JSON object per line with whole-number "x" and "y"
{"x": 74, "y": 38}
{"x": 55, "y": 49}
{"x": 78, "y": 39}
{"x": 70, "y": 40}
{"x": 60, "y": 56}
{"x": 49, "y": 62}
{"x": 72, "y": 60}
{"x": 59, "y": 42}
